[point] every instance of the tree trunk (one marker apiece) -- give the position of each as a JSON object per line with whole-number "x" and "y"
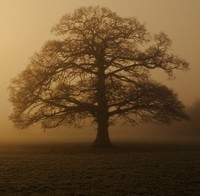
{"x": 102, "y": 118}
{"x": 102, "y": 137}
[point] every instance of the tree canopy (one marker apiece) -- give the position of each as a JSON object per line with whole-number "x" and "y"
{"x": 97, "y": 69}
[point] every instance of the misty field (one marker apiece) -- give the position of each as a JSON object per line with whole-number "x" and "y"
{"x": 137, "y": 169}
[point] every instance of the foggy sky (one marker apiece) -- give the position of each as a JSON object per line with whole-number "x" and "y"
{"x": 25, "y": 26}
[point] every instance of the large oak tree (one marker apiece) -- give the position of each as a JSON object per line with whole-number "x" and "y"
{"x": 97, "y": 70}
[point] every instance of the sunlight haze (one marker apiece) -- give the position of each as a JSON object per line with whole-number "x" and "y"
{"x": 26, "y": 24}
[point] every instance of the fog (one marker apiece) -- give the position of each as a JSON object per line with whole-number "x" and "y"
{"x": 187, "y": 131}
{"x": 25, "y": 26}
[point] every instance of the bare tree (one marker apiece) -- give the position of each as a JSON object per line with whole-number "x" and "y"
{"x": 97, "y": 69}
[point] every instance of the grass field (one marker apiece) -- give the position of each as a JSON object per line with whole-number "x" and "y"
{"x": 137, "y": 169}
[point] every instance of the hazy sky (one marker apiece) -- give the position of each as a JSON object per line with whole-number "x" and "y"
{"x": 25, "y": 26}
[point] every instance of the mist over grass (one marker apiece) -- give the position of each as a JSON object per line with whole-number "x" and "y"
{"x": 186, "y": 131}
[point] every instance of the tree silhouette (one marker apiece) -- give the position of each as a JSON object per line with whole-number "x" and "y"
{"x": 97, "y": 70}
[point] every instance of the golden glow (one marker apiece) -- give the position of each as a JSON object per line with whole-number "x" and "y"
{"x": 25, "y": 26}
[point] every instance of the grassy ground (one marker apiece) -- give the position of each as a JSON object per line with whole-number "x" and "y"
{"x": 139, "y": 169}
